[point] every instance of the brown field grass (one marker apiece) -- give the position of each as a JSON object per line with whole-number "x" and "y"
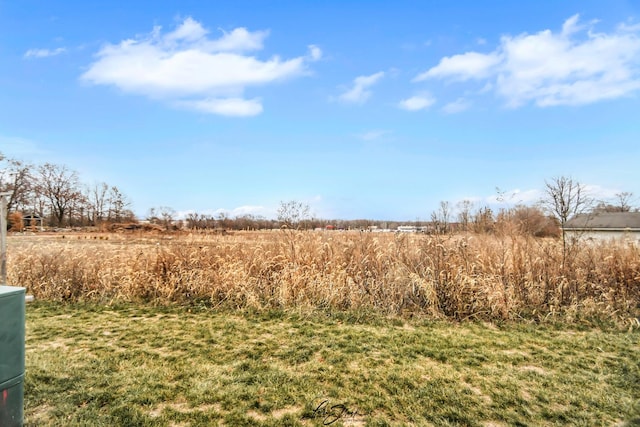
{"x": 489, "y": 277}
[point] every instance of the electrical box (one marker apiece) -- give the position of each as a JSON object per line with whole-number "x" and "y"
{"x": 12, "y": 349}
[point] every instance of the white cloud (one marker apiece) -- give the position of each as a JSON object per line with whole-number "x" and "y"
{"x": 237, "y": 107}
{"x": 571, "y": 26}
{"x": 373, "y": 135}
{"x": 598, "y": 192}
{"x": 416, "y": 103}
{"x": 360, "y": 92}
{"x": 44, "y": 53}
{"x": 470, "y": 65}
{"x": 191, "y": 69}
{"x": 632, "y": 28}
{"x": 190, "y": 30}
{"x": 315, "y": 53}
{"x": 249, "y": 210}
{"x": 457, "y": 106}
{"x": 573, "y": 67}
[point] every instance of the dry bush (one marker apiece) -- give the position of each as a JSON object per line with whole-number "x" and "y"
{"x": 16, "y": 223}
{"x": 494, "y": 277}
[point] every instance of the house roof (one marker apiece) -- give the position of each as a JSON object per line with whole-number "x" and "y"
{"x": 605, "y": 220}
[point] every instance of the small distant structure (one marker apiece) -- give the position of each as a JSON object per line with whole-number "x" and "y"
{"x": 32, "y": 221}
{"x": 604, "y": 226}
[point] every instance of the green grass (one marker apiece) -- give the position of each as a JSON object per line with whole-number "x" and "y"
{"x": 138, "y": 365}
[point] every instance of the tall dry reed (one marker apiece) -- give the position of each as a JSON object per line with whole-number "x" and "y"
{"x": 503, "y": 276}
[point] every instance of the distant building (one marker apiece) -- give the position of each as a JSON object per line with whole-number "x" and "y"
{"x": 604, "y": 226}
{"x": 33, "y": 220}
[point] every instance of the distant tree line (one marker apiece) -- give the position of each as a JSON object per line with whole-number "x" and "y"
{"x": 54, "y": 195}
{"x": 563, "y": 198}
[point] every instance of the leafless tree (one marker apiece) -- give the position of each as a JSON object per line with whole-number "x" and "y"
{"x": 96, "y": 196}
{"x": 464, "y": 213}
{"x": 223, "y": 220}
{"x": 78, "y": 209}
{"x": 60, "y": 187}
{"x": 118, "y": 205}
{"x": 291, "y": 214}
{"x": 440, "y": 218}
{"x": 194, "y": 220}
{"x": 162, "y": 215}
{"x": 15, "y": 178}
{"x": 565, "y": 198}
{"x": 624, "y": 201}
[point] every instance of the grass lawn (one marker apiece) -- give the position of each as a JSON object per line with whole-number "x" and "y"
{"x": 136, "y": 365}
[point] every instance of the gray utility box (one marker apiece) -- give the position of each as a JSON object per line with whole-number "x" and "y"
{"x": 12, "y": 345}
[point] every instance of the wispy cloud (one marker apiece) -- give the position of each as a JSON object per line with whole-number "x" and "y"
{"x": 417, "y": 102}
{"x": 360, "y": 92}
{"x": 470, "y": 65}
{"x": 44, "y": 53}
{"x": 598, "y": 192}
{"x": 574, "y": 66}
{"x": 19, "y": 147}
{"x": 630, "y": 27}
{"x": 457, "y": 106}
{"x": 193, "y": 70}
{"x": 249, "y": 210}
{"x": 237, "y": 107}
{"x": 315, "y": 53}
{"x": 373, "y": 135}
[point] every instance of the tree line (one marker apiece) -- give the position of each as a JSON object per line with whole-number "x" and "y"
{"x": 563, "y": 198}
{"x": 53, "y": 194}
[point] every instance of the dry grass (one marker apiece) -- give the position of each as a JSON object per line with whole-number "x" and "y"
{"x": 492, "y": 277}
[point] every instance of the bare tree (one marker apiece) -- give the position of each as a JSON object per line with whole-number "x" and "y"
{"x": 152, "y": 216}
{"x": 624, "y": 201}
{"x": 565, "y": 198}
{"x": 118, "y": 205}
{"x": 223, "y": 220}
{"x": 162, "y": 215}
{"x": 59, "y": 186}
{"x": 16, "y": 178}
{"x": 441, "y": 217}
{"x": 291, "y": 214}
{"x": 37, "y": 206}
{"x": 464, "y": 213}
{"x": 194, "y": 220}
{"x": 77, "y": 210}
{"x": 96, "y": 196}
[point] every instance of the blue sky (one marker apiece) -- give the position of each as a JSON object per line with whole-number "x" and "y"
{"x": 372, "y": 109}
